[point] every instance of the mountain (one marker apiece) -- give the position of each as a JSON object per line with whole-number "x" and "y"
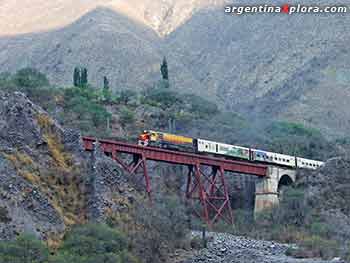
{"x": 38, "y": 15}
{"x": 105, "y": 42}
{"x": 274, "y": 66}
{"x": 290, "y": 67}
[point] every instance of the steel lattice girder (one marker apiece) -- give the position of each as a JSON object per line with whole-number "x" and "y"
{"x": 210, "y": 190}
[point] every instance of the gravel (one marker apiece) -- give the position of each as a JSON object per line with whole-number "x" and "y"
{"x": 224, "y": 247}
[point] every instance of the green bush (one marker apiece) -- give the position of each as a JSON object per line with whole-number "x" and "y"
{"x": 4, "y": 217}
{"x": 94, "y": 243}
{"x": 296, "y": 139}
{"x": 201, "y": 106}
{"x": 320, "y": 247}
{"x": 164, "y": 98}
{"x": 84, "y": 104}
{"x": 25, "y": 248}
{"x": 30, "y": 78}
{"x": 125, "y": 96}
{"x": 126, "y": 116}
{"x": 89, "y": 240}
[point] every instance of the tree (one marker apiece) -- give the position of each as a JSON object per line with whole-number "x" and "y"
{"x": 126, "y": 117}
{"x": 30, "y": 78}
{"x": 84, "y": 78}
{"x": 126, "y": 95}
{"x": 77, "y": 77}
{"x": 105, "y": 83}
{"x": 106, "y": 92}
{"x": 164, "y": 69}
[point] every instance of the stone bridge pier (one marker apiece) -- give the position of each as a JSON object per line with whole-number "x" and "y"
{"x": 267, "y": 189}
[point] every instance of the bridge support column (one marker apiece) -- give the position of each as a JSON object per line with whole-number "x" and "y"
{"x": 210, "y": 190}
{"x": 267, "y": 188}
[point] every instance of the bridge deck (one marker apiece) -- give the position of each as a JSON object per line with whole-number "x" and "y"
{"x": 177, "y": 157}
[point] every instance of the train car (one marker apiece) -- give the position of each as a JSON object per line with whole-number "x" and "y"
{"x": 222, "y": 149}
{"x": 271, "y": 157}
{"x": 308, "y": 164}
{"x": 166, "y": 140}
{"x": 183, "y": 143}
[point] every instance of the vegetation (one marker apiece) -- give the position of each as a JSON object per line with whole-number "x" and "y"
{"x": 80, "y": 77}
{"x": 296, "y": 139}
{"x": 152, "y": 233}
{"x": 156, "y": 231}
{"x": 164, "y": 69}
{"x": 25, "y": 248}
{"x": 30, "y": 78}
{"x": 83, "y": 244}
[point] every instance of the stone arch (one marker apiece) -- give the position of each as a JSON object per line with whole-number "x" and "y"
{"x": 285, "y": 180}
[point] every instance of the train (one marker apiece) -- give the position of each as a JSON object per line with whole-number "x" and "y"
{"x": 201, "y": 146}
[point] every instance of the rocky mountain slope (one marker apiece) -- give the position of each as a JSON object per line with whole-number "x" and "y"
{"x": 163, "y": 16}
{"x": 286, "y": 67}
{"x": 48, "y": 182}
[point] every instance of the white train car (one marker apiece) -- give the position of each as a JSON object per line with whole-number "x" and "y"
{"x": 308, "y": 164}
{"x": 271, "y": 157}
{"x": 222, "y": 149}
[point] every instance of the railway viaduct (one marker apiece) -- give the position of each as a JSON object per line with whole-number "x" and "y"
{"x": 206, "y": 184}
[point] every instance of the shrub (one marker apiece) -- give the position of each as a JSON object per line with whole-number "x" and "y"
{"x": 94, "y": 243}
{"x": 30, "y": 78}
{"x": 201, "y": 106}
{"x": 126, "y": 96}
{"x": 156, "y": 230}
{"x": 126, "y": 116}
{"x": 4, "y": 218}
{"x": 296, "y": 139}
{"x": 320, "y": 247}
{"x": 164, "y": 98}
{"x": 25, "y": 248}
{"x": 84, "y": 105}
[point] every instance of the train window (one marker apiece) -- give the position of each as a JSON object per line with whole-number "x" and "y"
{"x": 288, "y": 161}
{"x": 276, "y": 158}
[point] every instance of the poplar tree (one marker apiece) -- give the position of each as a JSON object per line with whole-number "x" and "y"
{"x": 84, "y": 78}
{"x": 77, "y": 77}
{"x": 164, "y": 69}
{"x": 106, "y": 92}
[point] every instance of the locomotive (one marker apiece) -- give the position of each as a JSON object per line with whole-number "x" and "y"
{"x": 201, "y": 146}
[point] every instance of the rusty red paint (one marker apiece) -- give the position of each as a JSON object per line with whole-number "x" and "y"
{"x": 210, "y": 190}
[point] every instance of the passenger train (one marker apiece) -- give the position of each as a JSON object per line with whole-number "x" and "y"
{"x": 196, "y": 145}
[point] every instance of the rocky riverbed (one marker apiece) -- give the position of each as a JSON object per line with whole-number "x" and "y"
{"x": 227, "y": 248}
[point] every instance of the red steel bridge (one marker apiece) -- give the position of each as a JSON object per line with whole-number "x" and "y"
{"x": 209, "y": 189}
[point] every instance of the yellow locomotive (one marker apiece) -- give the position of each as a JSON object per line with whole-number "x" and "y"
{"x": 166, "y": 140}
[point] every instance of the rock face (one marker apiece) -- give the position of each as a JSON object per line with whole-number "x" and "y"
{"x": 236, "y": 249}
{"x": 327, "y": 190}
{"x": 47, "y": 181}
{"x": 110, "y": 191}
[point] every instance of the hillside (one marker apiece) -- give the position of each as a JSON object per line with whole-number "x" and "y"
{"x": 288, "y": 67}
{"x": 48, "y": 183}
{"x": 293, "y": 68}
